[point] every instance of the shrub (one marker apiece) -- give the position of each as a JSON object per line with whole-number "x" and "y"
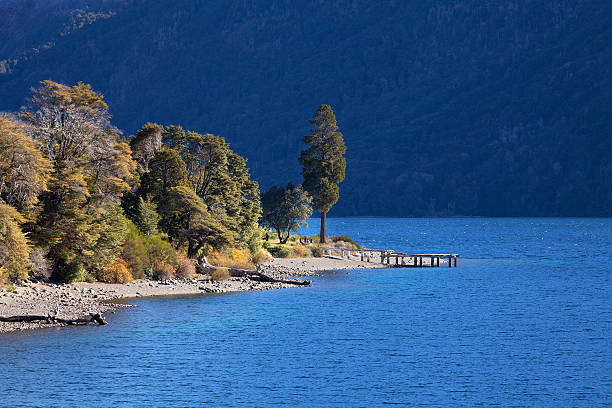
{"x": 159, "y": 251}
{"x": 66, "y": 272}
{"x": 41, "y": 266}
{"x": 279, "y": 252}
{"x": 115, "y": 272}
{"x": 238, "y": 258}
{"x": 265, "y": 244}
{"x": 14, "y": 248}
{"x": 316, "y": 252}
{"x": 254, "y": 242}
{"x": 344, "y": 238}
{"x": 135, "y": 252}
{"x": 186, "y": 268}
{"x": 87, "y": 277}
{"x": 162, "y": 271}
{"x": 299, "y": 252}
{"x": 3, "y": 276}
{"x": 220, "y": 274}
{"x": 261, "y": 256}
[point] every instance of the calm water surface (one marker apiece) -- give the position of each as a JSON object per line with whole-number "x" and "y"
{"x": 526, "y": 320}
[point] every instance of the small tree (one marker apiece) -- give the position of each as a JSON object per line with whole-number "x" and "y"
{"x": 14, "y": 249}
{"x": 286, "y": 209}
{"x": 323, "y": 162}
{"x": 148, "y": 218}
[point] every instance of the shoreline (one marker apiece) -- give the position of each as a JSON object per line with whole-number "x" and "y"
{"x": 75, "y": 300}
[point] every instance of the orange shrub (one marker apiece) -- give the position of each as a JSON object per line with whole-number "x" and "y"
{"x": 261, "y": 256}
{"x": 115, "y": 272}
{"x": 298, "y": 252}
{"x": 220, "y": 274}
{"x": 186, "y": 267}
{"x": 163, "y": 271}
{"x": 238, "y": 258}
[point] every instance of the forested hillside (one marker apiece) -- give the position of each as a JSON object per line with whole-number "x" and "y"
{"x": 460, "y": 107}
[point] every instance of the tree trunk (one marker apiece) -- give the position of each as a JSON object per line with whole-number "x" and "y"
{"x": 322, "y": 234}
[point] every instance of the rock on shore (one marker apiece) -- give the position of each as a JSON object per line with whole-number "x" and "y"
{"x": 80, "y": 299}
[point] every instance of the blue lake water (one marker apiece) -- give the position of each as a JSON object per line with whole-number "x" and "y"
{"x": 526, "y": 320}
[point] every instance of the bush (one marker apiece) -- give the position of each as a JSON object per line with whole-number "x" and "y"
{"x": 265, "y": 244}
{"x": 316, "y": 252}
{"x": 3, "y": 276}
{"x": 344, "y": 238}
{"x": 254, "y": 242}
{"x": 261, "y": 256}
{"x": 41, "y": 266}
{"x": 299, "y": 252}
{"x": 115, "y": 272}
{"x": 220, "y": 274}
{"x": 14, "y": 248}
{"x": 186, "y": 268}
{"x": 87, "y": 277}
{"x": 238, "y": 258}
{"x": 163, "y": 271}
{"x": 159, "y": 251}
{"x": 135, "y": 252}
{"x": 279, "y": 251}
{"x": 66, "y": 272}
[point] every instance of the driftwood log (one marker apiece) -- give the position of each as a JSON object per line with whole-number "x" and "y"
{"x": 253, "y": 275}
{"x": 95, "y": 318}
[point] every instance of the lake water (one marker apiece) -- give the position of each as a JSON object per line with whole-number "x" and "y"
{"x": 526, "y": 320}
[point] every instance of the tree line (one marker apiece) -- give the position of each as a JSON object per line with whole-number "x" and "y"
{"x": 78, "y": 201}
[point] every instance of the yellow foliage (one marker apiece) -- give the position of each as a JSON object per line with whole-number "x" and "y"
{"x": 186, "y": 268}
{"x": 220, "y": 274}
{"x": 115, "y": 272}
{"x": 24, "y": 170}
{"x": 261, "y": 256}
{"x": 14, "y": 248}
{"x": 163, "y": 271}
{"x": 238, "y": 258}
{"x": 299, "y": 252}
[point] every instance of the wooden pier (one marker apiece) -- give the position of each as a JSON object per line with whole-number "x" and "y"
{"x": 397, "y": 259}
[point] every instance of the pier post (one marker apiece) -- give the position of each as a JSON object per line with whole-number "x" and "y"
{"x": 362, "y": 253}
{"x": 456, "y": 260}
{"x": 450, "y": 261}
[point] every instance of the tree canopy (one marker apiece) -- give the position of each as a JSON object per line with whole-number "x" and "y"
{"x": 93, "y": 202}
{"x": 286, "y": 209}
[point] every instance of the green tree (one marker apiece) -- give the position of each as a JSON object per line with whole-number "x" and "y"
{"x": 148, "y": 218}
{"x": 194, "y": 225}
{"x": 166, "y": 170}
{"x": 221, "y": 178}
{"x": 323, "y": 162}
{"x": 14, "y": 248}
{"x": 286, "y": 209}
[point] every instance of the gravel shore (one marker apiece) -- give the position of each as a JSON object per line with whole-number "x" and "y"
{"x": 80, "y": 299}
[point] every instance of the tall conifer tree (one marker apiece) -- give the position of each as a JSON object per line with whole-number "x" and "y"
{"x": 323, "y": 162}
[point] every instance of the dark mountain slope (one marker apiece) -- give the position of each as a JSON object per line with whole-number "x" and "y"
{"x": 465, "y": 107}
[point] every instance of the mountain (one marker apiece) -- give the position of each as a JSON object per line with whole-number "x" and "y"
{"x": 458, "y": 107}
